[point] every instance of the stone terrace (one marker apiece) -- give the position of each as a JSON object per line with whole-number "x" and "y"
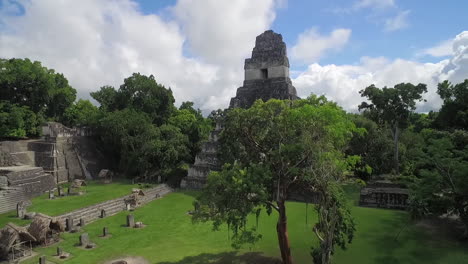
{"x": 112, "y": 207}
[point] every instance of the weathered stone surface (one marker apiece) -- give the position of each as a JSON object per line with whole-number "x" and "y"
{"x": 84, "y": 239}
{"x": 59, "y": 251}
{"x": 82, "y": 222}
{"x": 205, "y": 161}
{"x": 384, "y": 194}
{"x": 42, "y": 260}
{"x": 266, "y": 73}
{"x": 103, "y": 213}
{"x": 21, "y": 210}
{"x": 69, "y": 224}
{"x": 130, "y": 221}
{"x": 105, "y": 231}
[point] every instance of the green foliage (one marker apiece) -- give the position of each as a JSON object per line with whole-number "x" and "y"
{"x": 81, "y": 113}
{"x": 139, "y": 147}
{"x": 441, "y": 169}
{"x": 274, "y": 147}
{"x": 107, "y": 98}
{"x": 375, "y": 148}
{"x": 392, "y": 107}
{"x": 18, "y": 121}
{"x": 30, "y": 84}
{"x": 454, "y": 111}
{"x": 192, "y": 124}
{"x": 143, "y": 131}
{"x": 141, "y": 93}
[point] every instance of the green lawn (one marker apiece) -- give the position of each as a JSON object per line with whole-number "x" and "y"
{"x": 94, "y": 193}
{"x": 171, "y": 238}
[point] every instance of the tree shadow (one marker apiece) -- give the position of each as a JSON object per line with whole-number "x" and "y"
{"x": 227, "y": 258}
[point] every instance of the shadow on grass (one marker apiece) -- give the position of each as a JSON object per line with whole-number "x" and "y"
{"x": 394, "y": 245}
{"x": 227, "y": 258}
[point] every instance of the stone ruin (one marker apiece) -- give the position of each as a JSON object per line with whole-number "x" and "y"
{"x": 31, "y": 167}
{"x": 266, "y": 73}
{"x": 266, "y": 76}
{"x": 384, "y": 194}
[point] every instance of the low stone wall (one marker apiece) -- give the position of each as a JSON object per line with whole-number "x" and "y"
{"x": 112, "y": 207}
{"x": 21, "y": 183}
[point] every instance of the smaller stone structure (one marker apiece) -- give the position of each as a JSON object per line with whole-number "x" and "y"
{"x": 205, "y": 161}
{"x": 384, "y": 194}
{"x": 84, "y": 239}
{"x": 69, "y": 224}
{"x": 21, "y": 210}
{"x": 105, "y": 231}
{"x": 130, "y": 221}
{"x": 103, "y": 213}
{"x": 105, "y": 176}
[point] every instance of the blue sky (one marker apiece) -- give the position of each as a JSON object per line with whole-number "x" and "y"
{"x": 428, "y": 23}
{"x": 198, "y": 47}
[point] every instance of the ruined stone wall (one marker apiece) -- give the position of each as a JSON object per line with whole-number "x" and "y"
{"x": 205, "y": 161}
{"x": 21, "y": 183}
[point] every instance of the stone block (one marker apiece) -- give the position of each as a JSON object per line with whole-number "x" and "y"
{"x": 69, "y": 224}
{"x": 42, "y": 260}
{"x": 21, "y": 210}
{"x": 84, "y": 239}
{"x": 103, "y": 213}
{"x": 105, "y": 231}
{"x": 130, "y": 221}
{"x": 59, "y": 251}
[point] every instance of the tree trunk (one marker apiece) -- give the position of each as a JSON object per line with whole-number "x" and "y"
{"x": 463, "y": 217}
{"x": 282, "y": 230}
{"x": 396, "y": 134}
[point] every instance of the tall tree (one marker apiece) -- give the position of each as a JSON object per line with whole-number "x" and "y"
{"x": 454, "y": 111}
{"x": 143, "y": 93}
{"x": 275, "y": 147}
{"x": 392, "y": 107}
{"x": 27, "y": 83}
{"x": 193, "y": 124}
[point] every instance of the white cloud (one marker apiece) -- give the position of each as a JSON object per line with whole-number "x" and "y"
{"x": 456, "y": 69}
{"x": 224, "y": 31}
{"x": 311, "y": 45}
{"x": 397, "y": 22}
{"x": 342, "y": 83}
{"x": 374, "y": 4}
{"x": 440, "y": 50}
{"x": 98, "y": 42}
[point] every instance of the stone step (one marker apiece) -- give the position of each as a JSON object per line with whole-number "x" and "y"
{"x": 112, "y": 207}
{"x": 10, "y": 198}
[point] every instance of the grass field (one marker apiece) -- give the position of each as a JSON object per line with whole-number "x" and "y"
{"x": 94, "y": 193}
{"x": 171, "y": 238}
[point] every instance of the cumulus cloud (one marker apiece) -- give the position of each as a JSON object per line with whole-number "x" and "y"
{"x": 342, "y": 83}
{"x": 311, "y": 45}
{"x": 440, "y": 50}
{"x": 397, "y": 22}
{"x": 98, "y": 42}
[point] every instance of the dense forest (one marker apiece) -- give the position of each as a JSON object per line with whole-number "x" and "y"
{"x": 267, "y": 149}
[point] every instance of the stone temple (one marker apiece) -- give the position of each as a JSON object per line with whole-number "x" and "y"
{"x": 266, "y": 73}
{"x": 266, "y": 77}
